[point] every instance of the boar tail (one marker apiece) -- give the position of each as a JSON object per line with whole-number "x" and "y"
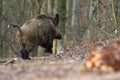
{"x": 16, "y": 26}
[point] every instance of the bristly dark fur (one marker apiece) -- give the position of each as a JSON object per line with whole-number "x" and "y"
{"x": 41, "y": 30}
{"x": 41, "y": 16}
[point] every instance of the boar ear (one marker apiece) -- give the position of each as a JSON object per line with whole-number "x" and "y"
{"x": 56, "y": 19}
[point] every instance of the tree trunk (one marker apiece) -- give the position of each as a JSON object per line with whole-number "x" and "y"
{"x": 1, "y": 40}
{"x": 50, "y": 4}
{"x": 75, "y": 28}
{"x": 44, "y": 7}
{"x": 68, "y": 26}
{"x": 55, "y": 43}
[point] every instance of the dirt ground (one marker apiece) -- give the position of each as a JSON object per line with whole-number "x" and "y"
{"x": 68, "y": 65}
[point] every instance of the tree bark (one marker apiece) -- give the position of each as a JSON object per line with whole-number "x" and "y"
{"x": 75, "y": 26}
{"x": 68, "y": 26}
{"x": 1, "y": 41}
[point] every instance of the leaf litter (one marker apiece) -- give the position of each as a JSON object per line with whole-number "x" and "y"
{"x": 70, "y": 64}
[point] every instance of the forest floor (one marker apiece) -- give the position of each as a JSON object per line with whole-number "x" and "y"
{"x": 68, "y": 65}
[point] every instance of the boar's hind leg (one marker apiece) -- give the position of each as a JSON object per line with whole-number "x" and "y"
{"x": 25, "y": 52}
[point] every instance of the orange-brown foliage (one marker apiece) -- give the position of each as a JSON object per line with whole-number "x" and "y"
{"x": 104, "y": 59}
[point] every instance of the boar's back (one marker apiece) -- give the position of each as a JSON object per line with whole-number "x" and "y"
{"x": 39, "y": 30}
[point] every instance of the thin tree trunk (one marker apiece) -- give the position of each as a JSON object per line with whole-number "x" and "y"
{"x": 55, "y": 43}
{"x": 50, "y": 4}
{"x": 44, "y": 7}
{"x": 68, "y": 26}
{"x": 1, "y": 41}
{"x": 113, "y": 11}
{"x": 75, "y": 20}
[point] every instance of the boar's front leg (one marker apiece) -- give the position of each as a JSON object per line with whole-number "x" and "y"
{"x": 48, "y": 47}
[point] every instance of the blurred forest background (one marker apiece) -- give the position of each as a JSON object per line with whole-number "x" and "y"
{"x": 80, "y": 21}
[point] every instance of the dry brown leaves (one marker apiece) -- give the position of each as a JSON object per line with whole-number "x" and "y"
{"x": 104, "y": 58}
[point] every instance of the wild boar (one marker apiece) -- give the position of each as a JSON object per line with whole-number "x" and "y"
{"x": 39, "y": 31}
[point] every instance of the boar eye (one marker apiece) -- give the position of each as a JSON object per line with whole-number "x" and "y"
{"x": 56, "y": 19}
